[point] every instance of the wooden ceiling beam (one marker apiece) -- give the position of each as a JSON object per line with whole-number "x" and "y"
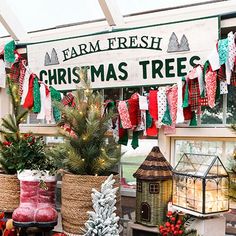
{"x": 11, "y": 23}
{"x": 111, "y": 12}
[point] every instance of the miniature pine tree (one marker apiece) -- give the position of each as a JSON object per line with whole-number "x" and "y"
{"x": 87, "y": 146}
{"x": 103, "y": 220}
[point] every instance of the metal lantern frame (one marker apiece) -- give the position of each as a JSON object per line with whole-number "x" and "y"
{"x": 200, "y": 167}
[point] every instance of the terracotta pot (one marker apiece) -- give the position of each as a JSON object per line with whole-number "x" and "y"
{"x": 76, "y": 200}
{"x": 10, "y": 192}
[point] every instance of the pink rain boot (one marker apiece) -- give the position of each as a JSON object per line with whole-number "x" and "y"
{"x": 46, "y": 213}
{"x": 37, "y": 200}
{"x": 24, "y": 214}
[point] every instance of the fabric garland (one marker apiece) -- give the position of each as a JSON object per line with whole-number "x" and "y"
{"x": 9, "y": 55}
{"x": 162, "y": 102}
{"x": 56, "y": 97}
{"x": 124, "y": 115}
{"x": 37, "y": 101}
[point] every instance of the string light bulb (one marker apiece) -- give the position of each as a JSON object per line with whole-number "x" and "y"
{"x": 14, "y": 88}
{"x": 234, "y": 155}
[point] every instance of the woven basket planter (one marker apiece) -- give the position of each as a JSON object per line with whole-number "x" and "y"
{"x": 76, "y": 200}
{"x": 10, "y": 192}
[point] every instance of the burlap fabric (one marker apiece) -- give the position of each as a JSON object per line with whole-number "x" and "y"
{"x": 9, "y": 192}
{"x": 76, "y": 200}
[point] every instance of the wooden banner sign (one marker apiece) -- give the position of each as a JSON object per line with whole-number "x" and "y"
{"x": 133, "y": 57}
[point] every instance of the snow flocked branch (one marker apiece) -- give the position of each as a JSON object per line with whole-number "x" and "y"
{"x": 103, "y": 220}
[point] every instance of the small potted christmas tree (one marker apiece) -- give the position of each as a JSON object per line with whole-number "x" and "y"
{"x": 9, "y": 183}
{"x": 88, "y": 154}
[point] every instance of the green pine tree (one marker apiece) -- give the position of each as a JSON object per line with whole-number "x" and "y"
{"x": 12, "y": 121}
{"x": 20, "y": 151}
{"x": 10, "y": 129}
{"x": 88, "y": 149}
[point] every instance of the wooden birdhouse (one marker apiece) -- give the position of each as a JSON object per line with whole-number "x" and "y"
{"x": 154, "y": 188}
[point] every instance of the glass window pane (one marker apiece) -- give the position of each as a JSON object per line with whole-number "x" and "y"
{"x": 55, "y": 12}
{"x": 231, "y": 105}
{"x": 135, "y": 6}
{"x": 128, "y": 92}
{"x": 53, "y": 140}
{"x": 112, "y": 94}
{"x": 198, "y": 146}
{"x": 147, "y": 89}
{"x": 33, "y": 119}
{"x": 133, "y": 158}
{"x": 139, "y": 154}
{"x": 230, "y": 149}
{"x": 213, "y": 115}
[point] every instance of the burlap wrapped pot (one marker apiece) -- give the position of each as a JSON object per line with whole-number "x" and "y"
{"x": 76, "y": 200}
{"x": 10, "y": 192}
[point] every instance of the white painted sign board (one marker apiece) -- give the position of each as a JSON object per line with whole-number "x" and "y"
{"x": 133, "y": 57}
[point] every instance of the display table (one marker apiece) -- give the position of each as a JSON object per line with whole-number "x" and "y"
{"x": 231, "y": 222}
{"x": 210, "y": 226}
{"x": 135, "y": 229}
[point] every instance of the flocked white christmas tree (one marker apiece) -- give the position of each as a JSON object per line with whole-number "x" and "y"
{"x": 103, "y": 220}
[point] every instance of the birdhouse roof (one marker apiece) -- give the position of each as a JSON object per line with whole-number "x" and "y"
{"x": 155, "y": 167}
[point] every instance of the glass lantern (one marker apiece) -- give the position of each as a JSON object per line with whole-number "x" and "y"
{"x": 200, "y": 185}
